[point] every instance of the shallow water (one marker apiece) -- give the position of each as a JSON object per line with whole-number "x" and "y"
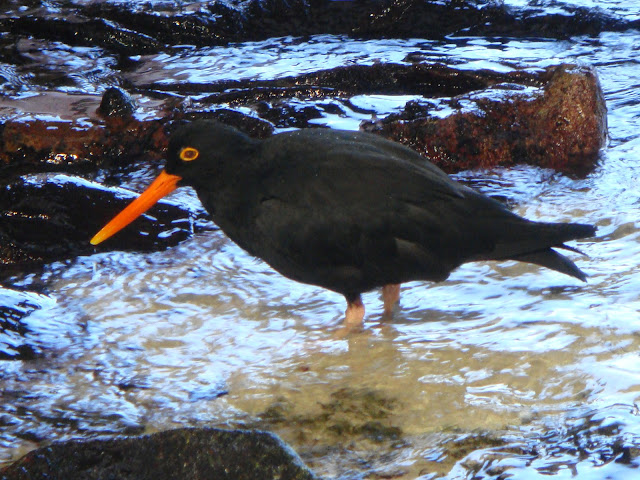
{"x": 504, "y": 367}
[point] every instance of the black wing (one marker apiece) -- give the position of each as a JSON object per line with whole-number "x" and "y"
{"x": 352, "y": 218}
{"x": 368, "y": 212}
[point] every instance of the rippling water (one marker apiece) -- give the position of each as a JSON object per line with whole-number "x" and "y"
{"x": 503, "y": 367}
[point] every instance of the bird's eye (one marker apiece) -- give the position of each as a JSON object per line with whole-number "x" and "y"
{"x": 188, "y": 154}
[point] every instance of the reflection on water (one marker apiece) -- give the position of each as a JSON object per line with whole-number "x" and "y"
{"x": 503, "y": 367}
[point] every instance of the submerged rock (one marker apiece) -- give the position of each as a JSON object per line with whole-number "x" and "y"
{"x": 427, "y": 79}
{"x": 187, "y": 453}
{"x": 352, "y": 415}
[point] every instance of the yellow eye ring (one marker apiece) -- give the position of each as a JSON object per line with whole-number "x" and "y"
{"x": 188, "y": 154}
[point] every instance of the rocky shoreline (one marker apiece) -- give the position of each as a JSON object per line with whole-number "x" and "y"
{"x": 554, "y": 118}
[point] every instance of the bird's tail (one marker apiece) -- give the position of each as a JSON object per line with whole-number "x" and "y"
{"x": 556, "y": 234}
{"x": 555, "y": 261}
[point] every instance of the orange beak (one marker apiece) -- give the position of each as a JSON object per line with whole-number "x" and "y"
{"x": 161, "y": 186}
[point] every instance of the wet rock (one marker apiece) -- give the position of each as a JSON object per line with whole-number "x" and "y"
{"x": 555, "y": 118}
{"x": 36, "y": 145}
{"x": 130, "y": 28}
{"x": 567, "y": 22}
{"x": 76, "y": 29}
{"x": 283, "y": 114}
{"x": 432, "y": 19}
{"x": 183, "y": 453}
{"x": 116, "y": 103}
{"x": 427, "y": 79}
{"x": 49, "y": 218}
{"x": 562, "y": 127}
{"x": 45, "y": 218}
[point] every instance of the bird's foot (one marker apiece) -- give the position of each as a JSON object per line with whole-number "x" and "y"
{"x": 390, "y": 297}
{"x": 353, "y": 317}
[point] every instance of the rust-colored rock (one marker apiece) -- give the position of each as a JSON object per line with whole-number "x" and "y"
{"x": 563, "y": 127}
{"x": 111, "y": 137}
{"x": 59, "y": 144}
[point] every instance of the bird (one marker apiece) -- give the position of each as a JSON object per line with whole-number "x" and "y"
{"x": 348, "y": 211}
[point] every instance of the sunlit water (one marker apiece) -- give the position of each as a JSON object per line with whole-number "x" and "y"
{"x": 205, "y": 335}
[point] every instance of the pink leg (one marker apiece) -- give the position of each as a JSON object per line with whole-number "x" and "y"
{"x": 354, "y": 315}
{"x": 390, "y": 296}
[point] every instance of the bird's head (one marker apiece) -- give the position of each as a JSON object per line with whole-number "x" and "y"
{"x": 198, "y": 155}
{"x": 201, "y": 151}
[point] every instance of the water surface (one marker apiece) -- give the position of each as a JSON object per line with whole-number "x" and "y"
{"x": 504, "y": 367}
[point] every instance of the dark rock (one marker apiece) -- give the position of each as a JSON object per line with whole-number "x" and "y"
{"x": 571, "y": 21}
{"x": 130, "y": 28}
{"x": 51, "y": 218}
{"x": 183, "y": 453}
{"x": 116, "y": 103}
{"x": 430, "y": 80}
{"x": 77, "y": 30}
{"x": 283, "y": 114}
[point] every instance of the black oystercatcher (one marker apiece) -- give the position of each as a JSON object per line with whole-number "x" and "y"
{"x": 348, "y": 211}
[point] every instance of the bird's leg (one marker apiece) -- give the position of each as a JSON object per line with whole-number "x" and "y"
{"x": 354, "y": 315}
{"x": 390, "y": 296}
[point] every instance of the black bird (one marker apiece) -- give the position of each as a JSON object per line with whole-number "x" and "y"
{"x": 347, "y": 211}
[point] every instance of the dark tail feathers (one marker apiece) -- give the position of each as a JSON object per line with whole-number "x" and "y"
{"x": 547, "y": 257}
{"x": 551, "y": 259}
